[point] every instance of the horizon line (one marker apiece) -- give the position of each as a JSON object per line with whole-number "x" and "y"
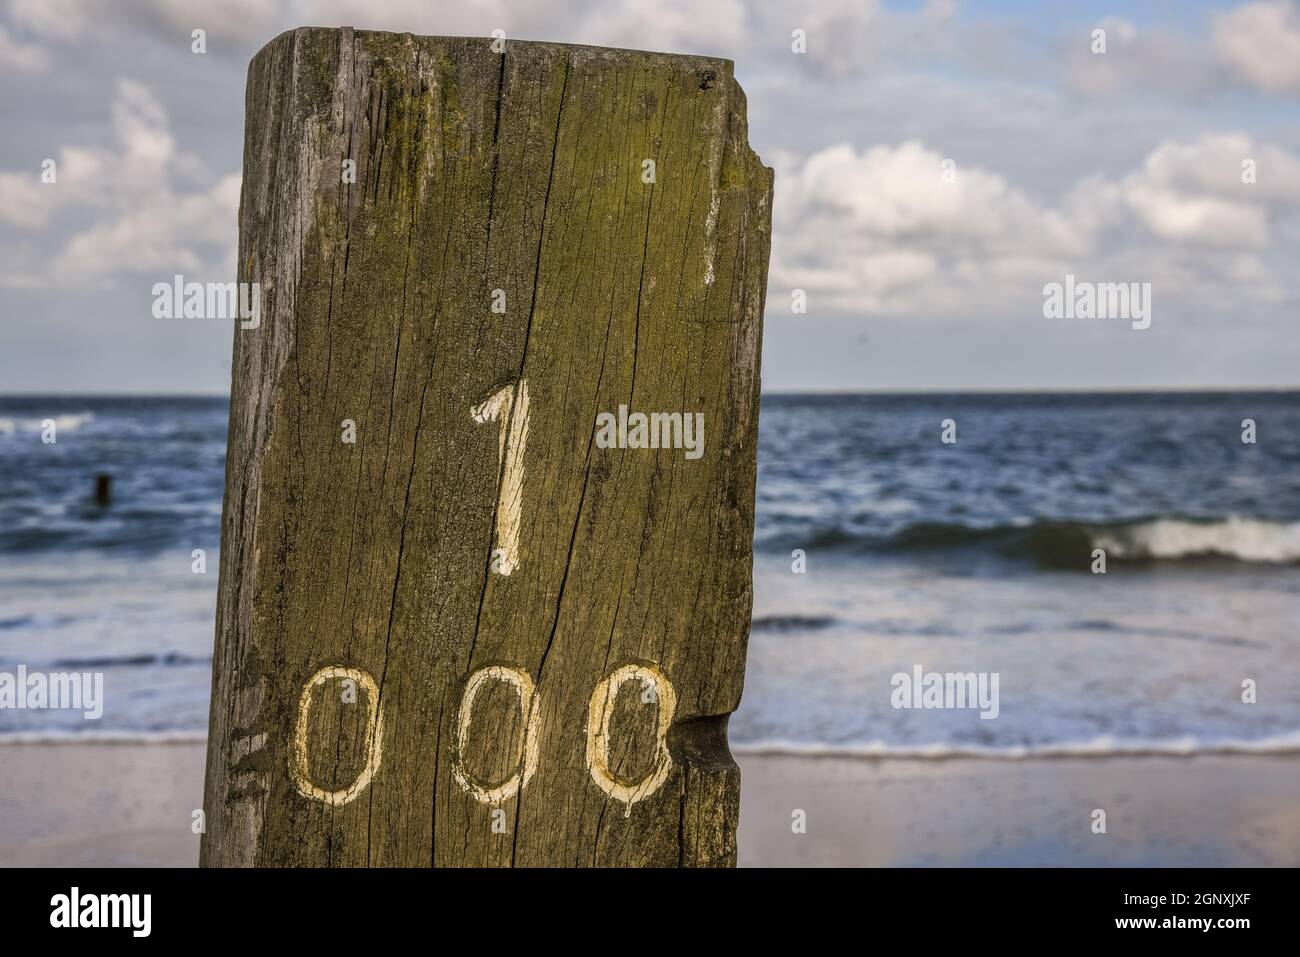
{"x": 974, "y": 390}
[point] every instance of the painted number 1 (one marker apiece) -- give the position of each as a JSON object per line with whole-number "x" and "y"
{"x": 509, "y": 406}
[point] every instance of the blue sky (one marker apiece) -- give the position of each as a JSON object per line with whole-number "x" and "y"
{"x": 1115, "y": 167}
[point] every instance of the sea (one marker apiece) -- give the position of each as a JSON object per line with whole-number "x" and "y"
{"x": 880, "y": 548}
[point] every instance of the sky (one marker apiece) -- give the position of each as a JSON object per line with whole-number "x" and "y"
{"x": 937, "y": 165}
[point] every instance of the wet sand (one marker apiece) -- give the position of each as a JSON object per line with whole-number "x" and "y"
{"x": 130, "y": 804}
{"x": 1209, "y": 811}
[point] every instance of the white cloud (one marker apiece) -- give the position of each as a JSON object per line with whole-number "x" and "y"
{"x": 464, "y": 17}
{"x": 27, "y": 201}
{"x": 236, "y": 27}
{"x": 134, "y": 218}
{"x": 670, "y": 25}
{"x": 65, "y": 19}
{"x": 1153, "y": 60}
{"x": 883, "y": 232}
{"x": 880, "y": 233}
{"x": 872, "y": 231}
{"x": 241, "y": 19}
{"x": 899, "y": 192}
{"x": 140, "y": 126}
{"x": 1213, "y": 164}
{"x": 1193, "y": 192}
{"x": 173, "y": 233}
{"x": 1261, "y": 41}
{"x": 130, "y": 171}
{"x": 1255, "y": 46}
{"x": 20, "y": 57}
{"x": 848, "y": 37}
{"x": 255, "y": 22}
{"x": 1207, "y": 220}
{"x": 21, "y": 202}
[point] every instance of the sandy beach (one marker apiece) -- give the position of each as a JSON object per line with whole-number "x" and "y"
{"x": 1211, "y": 811}
{"x": 102, "y": 804}
{"x": 131, "y": 804}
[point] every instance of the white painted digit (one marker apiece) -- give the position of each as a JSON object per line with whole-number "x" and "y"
{"x": 374, "y": 737}
{"x": 599, "y": 714}
{"x": 528, "y": 712}
{"x": 512, "y": 411}
{"x": 658, "y": 692}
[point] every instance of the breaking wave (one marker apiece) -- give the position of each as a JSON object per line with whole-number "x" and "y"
{"x": 62, "y": 423}
{"x": 1101, "y": 747}
{"x": 1069, "y": 544}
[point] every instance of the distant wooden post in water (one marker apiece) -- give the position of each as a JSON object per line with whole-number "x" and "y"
{"x": 472, "y": 610}
{"x": 103, "y": 490}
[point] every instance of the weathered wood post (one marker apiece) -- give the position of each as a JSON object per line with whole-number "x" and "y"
{"x": 466, "y": 615}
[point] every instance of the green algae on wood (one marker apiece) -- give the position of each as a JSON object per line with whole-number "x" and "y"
{"x": 362, "y": 602}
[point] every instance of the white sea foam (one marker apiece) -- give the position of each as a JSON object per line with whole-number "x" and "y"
{"x": 1246, "y": 539}
{"x": 62, "y": 423}
{"x": 103, "y": 737}
{"x": 1100, "y": 747}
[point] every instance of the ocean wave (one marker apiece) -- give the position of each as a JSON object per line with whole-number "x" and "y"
{"x": 67, "y": 422}
{"x": 170, "y": 659}
{"x": 103, "y": 737}
{"x": 791, "y": 623}
{"x": 1245, "y": 539}
{"x": 1101, "y": 747}
{"x": 1069, "y": 544}
{"x": 167, "y": 659}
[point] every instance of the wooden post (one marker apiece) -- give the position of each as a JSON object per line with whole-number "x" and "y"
{"x": 455, "y": 626}
{"x": 103, "y": 490}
